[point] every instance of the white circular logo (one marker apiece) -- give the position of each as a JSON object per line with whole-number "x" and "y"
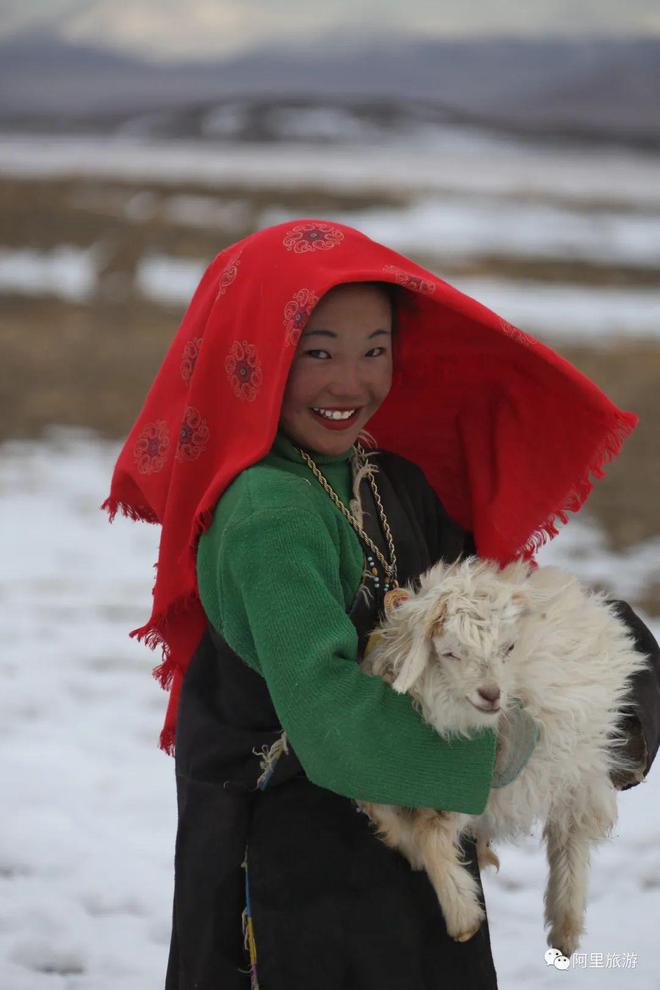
{"x": 553, "y": 957}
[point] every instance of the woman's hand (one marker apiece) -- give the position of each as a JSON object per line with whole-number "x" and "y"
{"x": 642, "y": 725}
{"x": 635, "y": 750}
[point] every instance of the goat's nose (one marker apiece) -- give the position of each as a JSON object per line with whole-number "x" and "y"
{"x": 490, "y": 692}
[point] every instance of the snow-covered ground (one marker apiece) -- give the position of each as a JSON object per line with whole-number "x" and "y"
{"x": 65, "y": 272}
{"x": 88, "y": 827}
{"x": 475, "y": 166}
{"x": 86, "y": 836}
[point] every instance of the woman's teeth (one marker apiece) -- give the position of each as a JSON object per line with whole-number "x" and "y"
{"x": 335, "y": 414}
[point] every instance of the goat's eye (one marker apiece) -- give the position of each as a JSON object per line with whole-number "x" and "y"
{"x": 509, "y": 648}
{"x": 451, "y": 656}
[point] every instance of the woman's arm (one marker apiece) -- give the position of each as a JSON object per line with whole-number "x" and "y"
{"x": 283, "y": 612}
{"x": 644, "y": 726}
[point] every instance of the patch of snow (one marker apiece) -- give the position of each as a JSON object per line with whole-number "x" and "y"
{"x": 320, "y": 123}
{"x": 458, "y": 227}
{"x": 205, "y": 211}
{"x": 168, "y": 280}
{"x": 501, "y": 169}
{"x": 66, "y": 272}
{"x": 569, "y": 313}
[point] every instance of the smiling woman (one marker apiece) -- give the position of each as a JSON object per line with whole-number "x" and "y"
{"x": 268, "y": 586}
{"x": 342, "y": 370}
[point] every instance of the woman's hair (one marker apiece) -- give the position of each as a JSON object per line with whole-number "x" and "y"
{"x": 401, "y": 300}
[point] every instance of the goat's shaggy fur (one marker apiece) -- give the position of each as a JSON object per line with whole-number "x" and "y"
{"x": 468, "y": 642}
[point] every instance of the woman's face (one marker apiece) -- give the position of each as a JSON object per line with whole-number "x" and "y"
{"x": 343, "y": 363}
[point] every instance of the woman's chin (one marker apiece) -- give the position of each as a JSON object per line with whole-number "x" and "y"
{"x": 324, "y": 440}
{"x": 333, "y": 444}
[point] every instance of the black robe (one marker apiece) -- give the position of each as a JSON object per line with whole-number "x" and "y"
{"x": 333, "y": 908}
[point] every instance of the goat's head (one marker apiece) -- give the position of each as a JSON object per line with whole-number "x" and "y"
{"x": 452, "y": 643}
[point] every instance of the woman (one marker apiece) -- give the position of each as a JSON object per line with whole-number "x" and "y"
{"x": 279, "y": 544}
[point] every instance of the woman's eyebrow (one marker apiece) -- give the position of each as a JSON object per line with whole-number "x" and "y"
{"x": 331, "y": 333}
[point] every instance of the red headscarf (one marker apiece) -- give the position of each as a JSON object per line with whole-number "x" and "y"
{"x": 506, "y": 431}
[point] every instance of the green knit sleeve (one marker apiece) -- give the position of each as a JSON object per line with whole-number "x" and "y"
{"x": 282, "y": 611}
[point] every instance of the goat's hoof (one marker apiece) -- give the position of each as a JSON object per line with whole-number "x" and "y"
{"x": 466, "y": 936}
{"x": 565, "y": 938}
{"x": 464, "y": 919}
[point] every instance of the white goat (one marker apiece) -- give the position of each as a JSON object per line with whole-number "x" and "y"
{"x": 469, "y": 642}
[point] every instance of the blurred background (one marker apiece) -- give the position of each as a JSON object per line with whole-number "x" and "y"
{"x": 512, "y": 148}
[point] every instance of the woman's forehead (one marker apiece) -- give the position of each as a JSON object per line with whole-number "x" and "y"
{"x": 342, "y": 332}
{"x": 353, "y": 302}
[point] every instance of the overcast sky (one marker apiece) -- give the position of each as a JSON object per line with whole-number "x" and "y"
{"x": 184, "y": 28}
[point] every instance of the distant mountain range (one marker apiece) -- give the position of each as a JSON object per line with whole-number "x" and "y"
{"x": 592, "y": 90}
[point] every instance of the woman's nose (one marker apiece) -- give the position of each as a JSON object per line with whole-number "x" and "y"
{"x": 347, "y": 384}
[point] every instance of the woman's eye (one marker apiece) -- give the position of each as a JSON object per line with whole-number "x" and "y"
{"x": 323, "y": 355}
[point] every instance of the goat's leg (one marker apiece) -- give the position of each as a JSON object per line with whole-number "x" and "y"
{"x": 428, "y": 840}
{"x": 568, "y": 845}
{"x": 436, "y": 837}
{"x": 394, "y": 828}
{"x": 566, "y": 891}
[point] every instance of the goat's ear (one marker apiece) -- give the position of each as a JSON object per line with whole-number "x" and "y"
{"x": 413, "y": 663}
{"x": 436, "y": 618}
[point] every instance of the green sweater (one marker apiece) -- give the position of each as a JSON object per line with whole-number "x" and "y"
{"x": 278, "y": 572}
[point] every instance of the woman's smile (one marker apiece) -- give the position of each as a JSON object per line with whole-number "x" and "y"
{"x": 333, "y": 418}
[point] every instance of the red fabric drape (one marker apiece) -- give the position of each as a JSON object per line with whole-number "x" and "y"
{"x": 507, "y": 431}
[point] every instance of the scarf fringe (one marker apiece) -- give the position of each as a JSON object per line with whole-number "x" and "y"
{"x": 607, "y": 450}
{"x": 152, "y": 635}
{"x": 138, "y": 513}
{"x": 201, "y": 524}
{"x": 166, "y": 741}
